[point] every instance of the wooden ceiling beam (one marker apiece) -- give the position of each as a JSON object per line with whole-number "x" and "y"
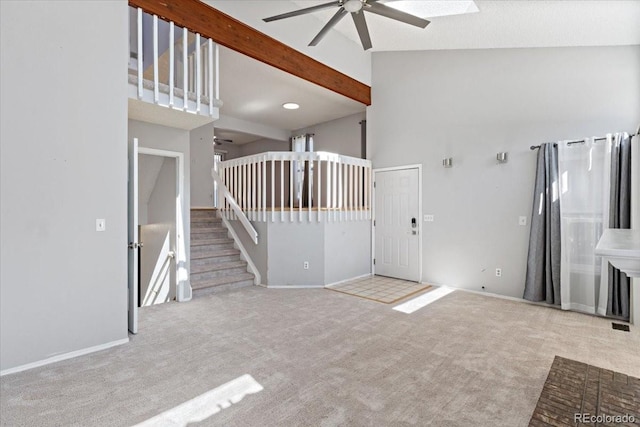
{"x": 201, "y": 18}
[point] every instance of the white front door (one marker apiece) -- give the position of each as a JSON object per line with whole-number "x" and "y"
{"x": 397, "y": 226}
{"x": 133, "y": 236}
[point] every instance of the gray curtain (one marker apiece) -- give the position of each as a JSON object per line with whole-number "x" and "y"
{"x": 619, "y": 217}
{"x": 543, "y": 262}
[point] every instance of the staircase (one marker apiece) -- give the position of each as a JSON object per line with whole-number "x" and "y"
{"x": 215, "y": 263}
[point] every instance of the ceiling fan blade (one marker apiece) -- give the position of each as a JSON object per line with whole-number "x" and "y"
{"x": 363, "y": 31}
{"x": 302, "y": 11}
{"x": 389, "y": 12}
{"x": 333, "y": 21}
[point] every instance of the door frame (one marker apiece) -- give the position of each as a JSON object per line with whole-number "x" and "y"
{"x": 373, "y": 214}
{"x": 183, "y": 288}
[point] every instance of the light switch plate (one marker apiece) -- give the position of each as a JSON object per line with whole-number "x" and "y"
{"x": 101, "y": 224}
{"x": 429, "y": 218}
{"x": 522, "y": 220}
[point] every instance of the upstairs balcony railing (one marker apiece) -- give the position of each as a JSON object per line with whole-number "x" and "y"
{"x": 297, "y": 186}
{"x": 171, "y": 66}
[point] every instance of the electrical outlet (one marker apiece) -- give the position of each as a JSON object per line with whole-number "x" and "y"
{"x": 101, "y": 224}
{"x": 429, "y": 218}
{"x": 305, "y": 265}
{"x": 498, "y": 272}
{"x": 522, "y": 220}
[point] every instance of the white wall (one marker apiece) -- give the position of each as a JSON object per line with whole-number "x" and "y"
{"x": 340, "y": 136}
{"x": 63, "y": 286}
{"x": 471, "y": 104}
{"x": 201, "y": 165}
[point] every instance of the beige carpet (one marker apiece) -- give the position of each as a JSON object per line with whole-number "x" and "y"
{"x": 379, "y": 288}
{"x": 322, "y": 358}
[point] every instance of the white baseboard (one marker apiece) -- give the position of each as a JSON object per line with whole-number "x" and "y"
{"x": 348, "y": 280}
{"x": 64, "y": 356}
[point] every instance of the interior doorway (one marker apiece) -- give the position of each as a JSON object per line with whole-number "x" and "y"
{"x": 157, "y": 252}
{"x": 397, "y": 226}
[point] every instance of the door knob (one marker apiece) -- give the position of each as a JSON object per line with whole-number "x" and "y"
{"x": 413, "y": 223}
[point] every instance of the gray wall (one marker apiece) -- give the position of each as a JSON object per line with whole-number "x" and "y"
{"x": 262, "y": 146}
{"x": 347, "y": 247}
{"x": 161, "y": 207}
{"x": 471, "y": 104}
{"x": 63, "y": 286}
{"x": 257, "y": 253}
{"x": 290, "y": 244}
{"x": 170, "y": 139}
{"x": 201, "y": 165}
{"x": 340, "y": 136}
{"x": 335, "y": 251}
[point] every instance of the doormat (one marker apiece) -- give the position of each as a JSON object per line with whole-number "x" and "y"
{"x": 577, "y": 394}
{"x": 381, "y": 289}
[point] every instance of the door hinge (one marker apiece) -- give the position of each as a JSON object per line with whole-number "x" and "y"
{"x": 374, "y": 222}
{"x": 374, "y": 184}
{"x": 374, "y": 261}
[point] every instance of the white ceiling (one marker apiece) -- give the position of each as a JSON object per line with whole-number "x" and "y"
{"x": 500, "y": 24}
{"x": 252, "y": 91}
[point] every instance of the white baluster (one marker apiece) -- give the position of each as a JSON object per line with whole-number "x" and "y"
{"x": 185, "y": 67}
{"x": 273, "y": 190}
{"x": 281, "y": 190}
{"x": 319, "y": 181}
{"x": 171, "y": 62}
{"x": 198, "y": 71}
{"x": 156, "y": 91}
{"x": 210, "y": 93}
{"x": 140, "y": 62}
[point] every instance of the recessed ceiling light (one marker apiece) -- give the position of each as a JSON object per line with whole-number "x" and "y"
{"x": 290, "y": 106}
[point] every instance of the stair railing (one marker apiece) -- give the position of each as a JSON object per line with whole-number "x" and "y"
{"x": 231, "y": 202}
{"x": 299, "y": 186}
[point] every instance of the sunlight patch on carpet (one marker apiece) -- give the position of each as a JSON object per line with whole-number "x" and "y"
{"x": 204, "y": 406}
{"x": 423, "y": 300}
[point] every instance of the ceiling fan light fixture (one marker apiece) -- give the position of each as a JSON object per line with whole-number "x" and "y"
{"x": 352, "y": 6}
{"x": 290, "y": 106}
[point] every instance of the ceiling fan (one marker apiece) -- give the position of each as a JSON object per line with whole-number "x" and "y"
{"x": 356, "y": 8}
{"x": 220, "y": 141}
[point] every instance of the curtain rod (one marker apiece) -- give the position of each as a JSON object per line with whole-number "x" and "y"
{"x": 303, "y": 135}
{"x": 581, "y": 141}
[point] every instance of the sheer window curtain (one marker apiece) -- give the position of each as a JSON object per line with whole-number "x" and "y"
{"x": 584, "y": 198}
{"x": 594, "y": 194}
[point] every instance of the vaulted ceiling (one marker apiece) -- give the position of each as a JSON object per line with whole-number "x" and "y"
{"x": 254, "y": 91}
